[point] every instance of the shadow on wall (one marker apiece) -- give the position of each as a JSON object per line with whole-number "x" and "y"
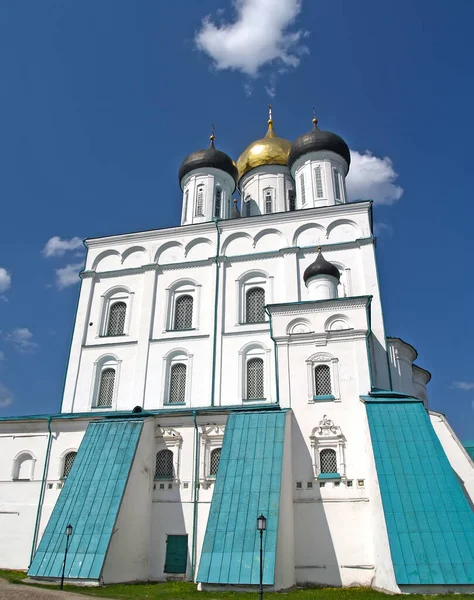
{"x": 379, "y": 358}
{"x": 315, "y": 556}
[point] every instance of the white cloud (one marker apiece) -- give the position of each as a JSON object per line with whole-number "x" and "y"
{"x": 55, "y": 246}
{"x": 465, "y": 386}
{"x": 381, "y": 228}
{"x": 259, "y": 35}
{"x": 22, "y": 340}
{"x": 372, "y": 178}
{"x": 68, "y": 275}
{"x": 6, "y": 396}
{"x": 5, "y": 280}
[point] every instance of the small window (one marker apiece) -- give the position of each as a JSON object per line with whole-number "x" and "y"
{"x": 177, "y": 393}
{"x": 214, "y": 463}
{"x": 303, "y": 190}
{"x": 116, "y": 324}
{"x": 255, "y": 383}
{"x": 268, "y": 202}
{"x": 164, "y": 465}
{"x": 200, "y": 201}
{"x": 23, "y": 467}
{"x": 183, "y": 314}
{"x": 291, "y": 200}
{"x": 337, "y": 185}
{"x": 185, "y": 209}
{"x": 217, "y": 208}
{"x": 319, "y": 182}
{"x": 68, "y": 460}
{"x": 322, "y": 376}
{"x": 106, "y": 388}
{"x": 255, "y": 305}
{"x": 328, "y": 460}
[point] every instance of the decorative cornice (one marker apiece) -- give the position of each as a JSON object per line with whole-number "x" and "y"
{"x": 314, "y": 306}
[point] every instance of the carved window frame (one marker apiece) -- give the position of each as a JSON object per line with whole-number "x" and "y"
{"x": 328, "y": 436}
{"x": 212, "y": 437}
{"x": 323, "y": 358}
{"x": 168, "y": 438}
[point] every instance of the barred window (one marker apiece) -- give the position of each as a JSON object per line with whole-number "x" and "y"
{"x": 215, "y": 456}
{"x": 319, "y": 182}
{"x": 164, "y": 465}
{"x": 322, "y": 379}
{"x": 255, "y": 385}
{"x": 291, "y": 200}
{"x": 328, "y": 460}
{"x": 200, "y": 200}
{"x": 116, "y": 324}
{"x": 268, "y": 202}
{"x": 185, "y": 209}
{"x": 217, "y": 209}
{"x": 255, "y": 305}
{"x": 337, "y": 185}
{"x": 68, "y": 460}
{"x": 183, "y": 312}
{"x": 177, "y": 384}
{"x": 303, "y": 190}
{"x": 106, "y": 387}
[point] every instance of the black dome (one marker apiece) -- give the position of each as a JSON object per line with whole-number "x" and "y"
{"x": 210, "y": 157}
{"x": 316, "y": 140}
{"x": 321, "y": 267}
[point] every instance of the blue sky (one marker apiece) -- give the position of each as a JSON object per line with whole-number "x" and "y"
{"x": 101, "y": 100}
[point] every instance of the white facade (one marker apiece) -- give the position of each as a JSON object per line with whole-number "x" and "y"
{"x": 172, "y": 320}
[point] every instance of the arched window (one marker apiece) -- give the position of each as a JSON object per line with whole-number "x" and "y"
{"x": 105, "y": 393}
{"x": 328, "y": 461}
{"x": 177, "y": 394}
{"x": 291, "y": 200}
{"x": 185, "y": 208}
{"x": 318, "y": 176}
{"x": 255, "y": 305}
{"x": 23, "y": 467}
{"x": 337, "y": 185}
{"x": 214, "y": 462}
{"x": 164, "y": 465}
{"x": 68, "y": 460}
{"x": 303, "y": 190}
{"x": 322, "y": 380}
{"x": 268, "y": 202}
{"x": 217, "y": 208}
{"x": 200, "y": 201}
{"x": 116, "y": 324}
{"x": 183, "y": 312}
{"x": 255, "y": 381}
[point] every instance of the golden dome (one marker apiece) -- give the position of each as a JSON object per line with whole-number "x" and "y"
{"x": 270, "y": 150}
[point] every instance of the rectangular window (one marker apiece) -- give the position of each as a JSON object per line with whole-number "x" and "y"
{"x": 291, "y": 200}
{"x": 217, "y": 210}
{"x": 337, "y": 185}
{"x": 185, "y": 209}
{"x": 200, "y": 201}
{"x": 176, "y": 554}
{"x": 268, "y": 202}
{"x": 319, "y": 182}
{"x": 303, "y": 190}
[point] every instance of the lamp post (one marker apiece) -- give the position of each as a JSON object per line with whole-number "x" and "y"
{"x": 68, "y": 535}
{"x": 261, "y": 526}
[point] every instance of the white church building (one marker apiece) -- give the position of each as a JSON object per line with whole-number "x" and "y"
{"x": 238, "y": 365}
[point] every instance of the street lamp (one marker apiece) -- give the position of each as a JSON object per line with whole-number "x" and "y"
{"x": 261, "y": 526}
{"x": 68, "y": 535}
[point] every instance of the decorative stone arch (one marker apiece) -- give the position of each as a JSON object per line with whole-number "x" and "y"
{"x": 23, "y": 468}
{"x": 168, "y": 246}
{"x": 181, "y": 287}
{"x": 106, "y": 361}
{"x": 102, "y": 258}
{"x": 196, "y": 242}
{"x": 233, "y": 237}
{"x": 337, "y": 322}
{"x": 117, "y": 293}
{"x": 328, "y": 436}
{"x": 298, "y": 326}
{"x": 247, "y": 352}
{"x": 268, "y": 232}
{"x": 129, "y": 252}
{"x": 246, "y": 281}
{"x": 171, "y": 358}
{"x": 339, "y": 223}
{"x": 305, "y": 227}
{"x": 323, "y": 358}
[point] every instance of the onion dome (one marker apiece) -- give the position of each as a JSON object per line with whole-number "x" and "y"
{"x": 208, "y": 158}
{"x": 316, "y": 140}
{"x": 270, "y": 150}
{"x": 321, "y": 267}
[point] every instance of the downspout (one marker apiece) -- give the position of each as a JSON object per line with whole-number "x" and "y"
{"x": 275, "y": 354}
{"x": 388, "y": 366}
{"x": 367, "y": 341}
{"x": 42, "y": 490}
{"x": 195, "y": 499}
{"x": 216, "y": 300}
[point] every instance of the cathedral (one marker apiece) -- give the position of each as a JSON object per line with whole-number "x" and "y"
{"x": 233, "y": 366}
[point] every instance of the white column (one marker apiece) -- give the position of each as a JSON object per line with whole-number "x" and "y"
{"x": 143, "y": 338}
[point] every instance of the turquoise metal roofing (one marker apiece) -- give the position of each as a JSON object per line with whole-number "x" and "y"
{"x": 429, "y": 521}
{"x": 469, "y": 447}
{"x": 89, "y": 501}
{"x": 247, "y": 484}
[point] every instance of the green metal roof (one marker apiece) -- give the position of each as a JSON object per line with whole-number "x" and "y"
{"x": 247, "y": 484}
{"x": 469, "y": 447}
{"x": 89, "y": 501}
{"x": 429, "y": 521}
